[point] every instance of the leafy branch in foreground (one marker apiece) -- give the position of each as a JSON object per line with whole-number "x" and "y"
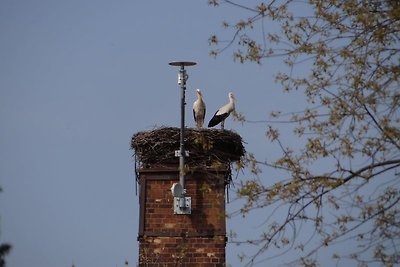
{"x": 345, "y": 57}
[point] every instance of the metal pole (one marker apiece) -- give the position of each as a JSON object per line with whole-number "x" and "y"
{"x": 183, "y": 76}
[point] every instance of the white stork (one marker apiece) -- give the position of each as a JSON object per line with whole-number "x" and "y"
{"x": 199, "y": 109}
{"x": 223, "y": 112}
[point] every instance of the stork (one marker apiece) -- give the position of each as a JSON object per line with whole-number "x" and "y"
{"x": 223, "y": 112}
{"x": 199, "y": 109}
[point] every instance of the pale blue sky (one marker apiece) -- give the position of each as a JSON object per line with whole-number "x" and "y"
{"x": 77, "y": 79}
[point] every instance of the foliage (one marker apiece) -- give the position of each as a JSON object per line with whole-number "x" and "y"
{"x": 5, "y": 248}
{"x": 350, "y": 50}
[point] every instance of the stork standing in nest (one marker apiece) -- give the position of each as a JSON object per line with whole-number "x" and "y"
{"x": 199, "y": 109}
{"x": 223, "y": 112}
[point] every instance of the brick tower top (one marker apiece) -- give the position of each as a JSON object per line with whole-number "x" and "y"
{"x": 198, "y": 238}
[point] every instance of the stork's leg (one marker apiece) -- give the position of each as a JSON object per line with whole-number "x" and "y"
{"x": 222, "y": 124}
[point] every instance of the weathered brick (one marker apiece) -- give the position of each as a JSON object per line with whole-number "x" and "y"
{"x": 197, "y": 239}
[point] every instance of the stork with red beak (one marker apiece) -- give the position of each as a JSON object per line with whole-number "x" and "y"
{"x": 199, "y": 109}
{"x": 223, "y": 112}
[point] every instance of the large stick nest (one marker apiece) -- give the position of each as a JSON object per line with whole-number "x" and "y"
{"x": 205, "y": 146}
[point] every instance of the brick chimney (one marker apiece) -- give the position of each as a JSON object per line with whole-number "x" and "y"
{"x": 197, "y": 238}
